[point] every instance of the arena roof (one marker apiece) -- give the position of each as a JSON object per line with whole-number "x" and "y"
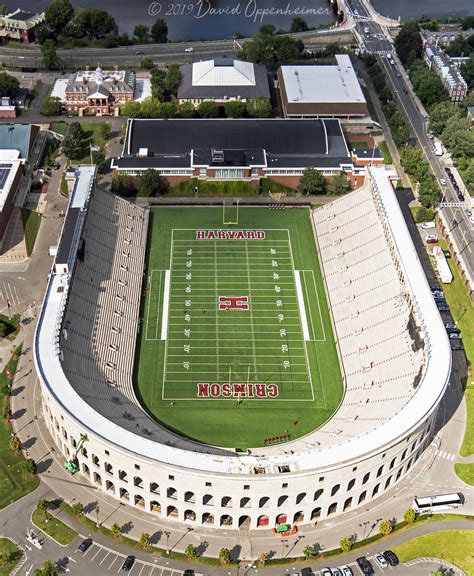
{"x": 424, "y": 401}
{"x": 283, "y": 142}
{"x": 323, "y": 84}
{"x": 8, "y": 171}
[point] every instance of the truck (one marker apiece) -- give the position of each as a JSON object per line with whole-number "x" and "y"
{"x": 438, "y": 148}
{"x": 442, "y": 265}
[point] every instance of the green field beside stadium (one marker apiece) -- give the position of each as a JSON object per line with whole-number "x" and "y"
{"x": 236, "y": 347}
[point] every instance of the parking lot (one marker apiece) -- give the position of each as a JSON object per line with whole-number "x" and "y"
{"x": 112, "y": 561}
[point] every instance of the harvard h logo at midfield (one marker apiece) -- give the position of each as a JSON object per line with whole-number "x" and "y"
{"x": 233, "y": 303}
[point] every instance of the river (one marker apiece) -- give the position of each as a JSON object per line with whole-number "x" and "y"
{"x": 194, "y": 20}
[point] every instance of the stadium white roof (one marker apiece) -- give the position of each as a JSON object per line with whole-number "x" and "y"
{"x": 323, "y": 84}
{"x": 8, "y": 171}
{"x": 223, "y": 72}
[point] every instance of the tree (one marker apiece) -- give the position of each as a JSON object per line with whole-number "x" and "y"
{"x": 190, "y": 552}
{"x": 8, "y": 84}
{"x": 29, "y": 466}
{"x": 459, "y": 47}
{"x": 428, "y": 193}
{"x": 5, "y": 557}
{"x": 262, "y": 559}
{"x": 158, "y": 77}
{"x": 298, "y": 25}
{"x": 385, "y": 527}
{"x": 131, "y": 108}
{"x": 345, "y": 544}
{"x": 312, "y": 182}
{"x": 259, "y": 107}
{"x": 440, "y": 113}
{"x": 147, "y": 63}
{"x": 77, "y": 508}
{"x": 116, "y": 530}
{"x": 428, "y": 86}
{"x": 208, "y": 109}
{"x": 159, "y": 31}
{"x": 172, "y": 80}
{"x": 469, "y": 176}
{"x": 309, "y": 552}
{"x": 122, "y": 184}
{"x": 410, "y": 516}
{"x": 338, "y": 184}
{"x": 467, "y": 71}
{"x": 15, "y": 444}
{"x": 187, "y": 110}
{"x": 58, "y": 15}
{"x": 49, "y": 55}
{"x": 43, "y": 506}
{"x": 409, "y": 39}
{"x": 234, "y": 109}
{"x": 6, "y": 412}
{"x": 224, "y": 556}
{"x": 145, "y": 540}
{"x": 272, "y": 50}
{"x": 72, "y": 143}
{"x": 47, "y": 569}
{"x": 150, "y": 183}
{"x": 169, "y": 109}
{"x": 92, "y": 22}
{"x": 51, "y": 106}
{"x": 268, "y": 29}
{"x": 141, "y": 33}
{"x": 150, "y": 108}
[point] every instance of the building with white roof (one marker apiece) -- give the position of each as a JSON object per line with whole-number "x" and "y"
{"x": 322, "y": 91}
{"x": 221, "y": 80}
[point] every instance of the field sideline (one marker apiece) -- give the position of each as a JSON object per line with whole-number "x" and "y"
{"x": 236, "y": 345}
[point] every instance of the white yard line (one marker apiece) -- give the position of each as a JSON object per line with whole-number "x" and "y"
{"x": 166, "y": 305}
{"x": 251, "y": 312}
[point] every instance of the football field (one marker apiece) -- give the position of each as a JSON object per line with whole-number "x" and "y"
{"x": 236, "y": 347}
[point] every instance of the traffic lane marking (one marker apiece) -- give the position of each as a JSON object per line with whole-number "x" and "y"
{"x": 113, "y": 561}
{"x": 104, "y": 558}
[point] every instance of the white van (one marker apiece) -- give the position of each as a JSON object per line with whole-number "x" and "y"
{"x": 428, "y": 225}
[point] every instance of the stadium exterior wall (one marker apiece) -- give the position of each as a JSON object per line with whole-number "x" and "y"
{"x": 183, "y": 492}
{"x": 202, "y": 489}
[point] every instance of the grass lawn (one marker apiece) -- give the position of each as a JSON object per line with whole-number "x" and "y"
{"x": 370, "y": 104}
{"x": 387, "y": 157}
{"x": 463, "y": 315}
{"x": 49, "y": 153}
{"x": 206, "y": 188}
{"x": 63, "y": 187}
{"x": 53, "y": 527}
{"x": 354, "y": 144}
{"x": 430, "y": 215}
{"x": 92, "y": 135}
{"x": 31, "y": 224}
{"x": 456, "y": 546}
{"x": 15, "y": 553}
{"x": 195, "y": 353}
{"x": 15, "y": 482}
{"x": 465, "y": 472}
{"x": 59, "y": 127}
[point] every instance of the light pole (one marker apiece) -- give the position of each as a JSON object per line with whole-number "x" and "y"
{"x": 167, "y": 534}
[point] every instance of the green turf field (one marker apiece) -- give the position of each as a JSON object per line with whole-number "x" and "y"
{"x": 236, "y": 344}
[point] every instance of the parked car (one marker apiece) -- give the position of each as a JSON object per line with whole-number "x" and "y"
{"x": 128, "y": 563}
{"x": 456, "y": 345}
{"x": 391, "y": 558}
{"x": 428, "y": 225}
{"x": 460, "y": 195}
{"x": 380, "y": 559}
{"x": 188, "y": 572}
{"x": 442, "y": 306}
{"x": 336, "y": 572}
{"x": 365, "y": 566}
{"x": 437, "y": 293}
{"x": 439, "y": 299}
{"x": 448, "y": 170}
{"x": 455, "y": 335}
{"x": 471, "y": 219}
{"x": 431, "y": 239}
{"x": 346, "y": 571}
{"x": 453, "y": 331}
{"x": 326, "y": 572}
{"x": 442, "y": 181}
{"x": 189, "y": 49}
{"x": 450, "y": 326}
{"x": 85, "y": 544}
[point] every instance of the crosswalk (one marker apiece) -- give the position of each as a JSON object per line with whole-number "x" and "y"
{"x": 447, "y": 455}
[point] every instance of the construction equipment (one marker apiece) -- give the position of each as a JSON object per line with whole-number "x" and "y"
{"x": 73, "y": 464}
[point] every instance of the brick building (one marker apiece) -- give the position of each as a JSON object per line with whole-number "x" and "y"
{"x": 20, "y": 26}
{"x": 322, "y": 91}
{"x": 99, "y": 92}
{"x": 237, "y": 149}
{"x": 453, "y": 82}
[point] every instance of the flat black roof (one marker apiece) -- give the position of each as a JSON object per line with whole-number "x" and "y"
{"x": 277, "y": 142}
{"x": 67, "y": 235}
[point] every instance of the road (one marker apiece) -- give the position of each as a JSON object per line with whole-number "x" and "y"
{"x": 378, "y": 41}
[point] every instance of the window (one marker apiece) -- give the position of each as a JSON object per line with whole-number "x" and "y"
{"x": 366, "y": 478}
{"x": 246, "y": 486}
{"x": 228, "y": 173}
{"x": 392, "y": 463}
{"x": 208, "y": 483}
{"x": 170, "y": 477}
{"x": 379, "y": 472}
{"x": 335, "y": 489}
{"x": 284, "y": 485}
{"x": 375, "y": 490}
{"x": 106, "y": 452}
{"x": 321, "y": 479}
{"x": 137, "y": 466}
{"x": 354, "y": 469}
{"x": 318, "y": 494}
{"x": 351, "y": 484}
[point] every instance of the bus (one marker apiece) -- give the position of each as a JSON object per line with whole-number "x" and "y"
{"x": 433, "y": 504}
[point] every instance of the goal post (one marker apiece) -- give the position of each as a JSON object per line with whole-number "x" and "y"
{"x": 230, "y": 212}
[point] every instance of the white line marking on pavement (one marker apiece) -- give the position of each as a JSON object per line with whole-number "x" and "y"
{"x": 104, "y": 558}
